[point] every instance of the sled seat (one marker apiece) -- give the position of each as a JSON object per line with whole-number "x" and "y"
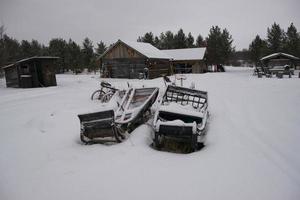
{"x": 96, "y": 125}
{"x": 176, "y": 131}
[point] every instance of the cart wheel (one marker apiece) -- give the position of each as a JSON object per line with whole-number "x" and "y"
{"x": 97, "y": 95}
{"x": 119, "y": 134}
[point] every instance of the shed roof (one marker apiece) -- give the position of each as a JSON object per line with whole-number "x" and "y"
{"x": 31, "y": 58}
{"x": 279, "y": 55}
{"x": 143, "y": 48}
{"x": 186, "y": 54}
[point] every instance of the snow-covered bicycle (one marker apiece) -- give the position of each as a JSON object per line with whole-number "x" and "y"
{"x": 105, "y": 93}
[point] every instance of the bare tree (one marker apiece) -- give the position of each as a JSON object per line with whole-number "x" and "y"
{"x": 2, "y": 30}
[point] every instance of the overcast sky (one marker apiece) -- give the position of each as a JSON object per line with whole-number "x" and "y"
{"x": 127, "y": 19}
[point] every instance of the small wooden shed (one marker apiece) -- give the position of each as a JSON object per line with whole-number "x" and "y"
{"x": 189, "y": 60}
{"x": 130, "y": 59}
{"x": 31, "y": 72}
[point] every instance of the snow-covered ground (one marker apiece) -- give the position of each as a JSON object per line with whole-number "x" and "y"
{"x": 252, "y": 149}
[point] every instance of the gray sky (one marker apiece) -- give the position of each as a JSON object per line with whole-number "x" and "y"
{"x": 116, "y": 19}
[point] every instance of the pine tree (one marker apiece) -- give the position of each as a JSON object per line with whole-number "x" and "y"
{"x": 200, "y": 41}
{"x": 147, "y": 38}
{"x": 180, "y": 40}
{"x": 36, "y": 48}
{"x": 2, "y": 31}
{"x": 275, "y": 38}
{"x": 87, "y": 53}
{"x": 156, "y": 42}
{"x": 162, "y": 39}
{"x": 226, "y": 45}
{"x": 9, "y": 50}
{"x": 292, "y": 45}
{"x": 190, "y": 41}
{"x": 26, "y": 49}
{"x": 101, "y": 48}
{"x": 219, "y": 46}
{"x": 213, "y": 45}
{"x": 58, "y": 47}
{"x": 73, "y": 56}
{"x": 167, "y": 40}
{"x": 258, "y": 49}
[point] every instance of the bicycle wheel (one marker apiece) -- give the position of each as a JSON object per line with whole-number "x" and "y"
{"x": 106, "y": 97}
{"x": 97, "y": 95}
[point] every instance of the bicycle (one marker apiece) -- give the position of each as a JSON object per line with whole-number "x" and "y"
{"x": 105, "y": 93}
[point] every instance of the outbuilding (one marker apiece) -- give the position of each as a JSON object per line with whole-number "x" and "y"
{"x": 31, "y": 72}
{"x": 133, "y": 60}
{"x": 189, "y": 60}
{"x": 279, "y": 59}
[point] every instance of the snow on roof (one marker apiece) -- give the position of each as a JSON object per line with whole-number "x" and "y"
{"x": 147, "y": 49}
{"x": 186, "y": 54}
{"x": 280, "y": 54}
{"x": 30, "y": 58}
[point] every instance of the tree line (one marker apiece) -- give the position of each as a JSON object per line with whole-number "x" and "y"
{"x": 277, "y": 41}
{"x": 219, "y": 45}
{"x": 218, "y": 42}
{"x": 73, "y": 56}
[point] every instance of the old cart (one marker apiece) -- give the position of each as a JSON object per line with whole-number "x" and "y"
{"x": 182, "y": 116}
{"x": 133, "y": 108}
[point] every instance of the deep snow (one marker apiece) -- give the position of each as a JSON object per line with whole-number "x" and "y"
{"x": 252, "y": 149}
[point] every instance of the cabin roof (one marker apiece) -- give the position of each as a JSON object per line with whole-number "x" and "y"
{"x": 31, "y": 58}
{"x": 186, "y": 54}
{"x": 147, "y": 49}
{"x": 143, "y": 48}
{"x": 279, "y": 55}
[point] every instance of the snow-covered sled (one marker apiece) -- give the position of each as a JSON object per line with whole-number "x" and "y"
{"x": 182, "y": 116}
{"x": 112, "y": 125}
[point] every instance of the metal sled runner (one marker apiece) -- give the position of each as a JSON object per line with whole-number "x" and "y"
{"x": 182, "y": 116}
{"x": 113, "y": 125}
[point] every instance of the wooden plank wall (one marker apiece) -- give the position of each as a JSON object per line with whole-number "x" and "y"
{"x": 124, "y": 62}
{"x": 158, "y": 68}
{"x": 48, "y": 73}
{"x": 124, "y": 67}
{"x": 12, "y": 77}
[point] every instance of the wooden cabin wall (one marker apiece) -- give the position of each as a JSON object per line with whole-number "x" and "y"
{"x": 12, "y": 77}
{"x": 158, "y": 68}
{"x": 199, "y": 67}
{"x": 124, "y": 67}
{"x": 48, "y": 73}
{"x": 34, "y": 67}
{"x": 125, "y": 62}
{"x": 33, "y": 73}
{"x": 194, "y": 66}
